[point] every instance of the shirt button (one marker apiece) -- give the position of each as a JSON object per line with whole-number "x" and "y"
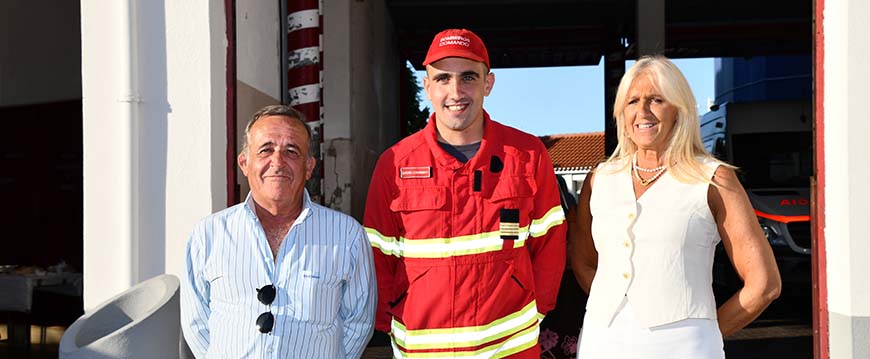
{"x": 626, "y": 275}
{"x": 269, "y": 350}
{"x": 631, "y": 216}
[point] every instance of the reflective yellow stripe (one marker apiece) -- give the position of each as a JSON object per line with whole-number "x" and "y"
{"x": 554, "y": 217}
{"x": 388, "y": 245}
{"x": 442, "y": 247}
{"x": 462, "y": 245}
{"x": 520, "y": 341}
{"x": 465, "y": 336}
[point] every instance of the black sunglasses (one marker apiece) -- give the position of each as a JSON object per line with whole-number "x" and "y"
{"x": 266, "y": 320}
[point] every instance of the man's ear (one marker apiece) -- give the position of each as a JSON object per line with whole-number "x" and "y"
{"x": 426, "y": 86}
{"x": 242, "y": 160}
{"x": 490, "y": 81}
{"x": 309, "y": 169}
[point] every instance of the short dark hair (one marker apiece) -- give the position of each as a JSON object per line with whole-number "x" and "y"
{"x": 278, "y": 110}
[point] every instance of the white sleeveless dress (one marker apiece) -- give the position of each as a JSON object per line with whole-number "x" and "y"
{"x": 651, "y": 297}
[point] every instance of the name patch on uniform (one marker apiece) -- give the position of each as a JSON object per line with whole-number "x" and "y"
{"x": 415, "y": 172}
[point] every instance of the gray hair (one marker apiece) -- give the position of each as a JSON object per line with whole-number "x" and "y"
{"x": 278, "y": 110}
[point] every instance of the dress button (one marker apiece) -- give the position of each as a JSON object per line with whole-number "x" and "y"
{"x": 626, "y": 275}
{"x": 631, "y": 216}
{"x": 269, "y": 350}
{"x": 627, "y": 244}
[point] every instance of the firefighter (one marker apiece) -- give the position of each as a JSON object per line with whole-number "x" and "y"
{"x": 465, "y": 221}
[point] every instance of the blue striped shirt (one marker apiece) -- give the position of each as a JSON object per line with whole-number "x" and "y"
{"x": 323, "y": 274}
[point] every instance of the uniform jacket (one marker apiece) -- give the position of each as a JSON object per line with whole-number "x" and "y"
{"x": 657, "y": 250}
{"x": 469, "y": 256}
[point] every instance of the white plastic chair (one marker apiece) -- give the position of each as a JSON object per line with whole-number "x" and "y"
{"x": 141, "y": 322}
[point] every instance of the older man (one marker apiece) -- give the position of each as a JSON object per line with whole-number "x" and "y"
{"x": 465, "y": 221}
{"x": 278, "y": 276}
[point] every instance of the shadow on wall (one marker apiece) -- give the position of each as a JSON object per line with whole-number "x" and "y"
{"x": 153, "y": 135}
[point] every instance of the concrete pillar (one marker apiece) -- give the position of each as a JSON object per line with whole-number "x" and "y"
{"x": 154, "y": 89}
{"x": 360, "y": 96}
{"x": 650, "y": 27}
{"x": 614, "y": 68}
{"x": 846, "y": 166}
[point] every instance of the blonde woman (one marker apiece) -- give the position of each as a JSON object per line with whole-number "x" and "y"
{"x": 650, "y": 219}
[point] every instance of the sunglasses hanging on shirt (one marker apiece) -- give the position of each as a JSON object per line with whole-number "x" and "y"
{"x": 265, "y": 321}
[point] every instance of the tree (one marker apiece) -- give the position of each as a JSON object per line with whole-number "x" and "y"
{"x": 413, "y": 118}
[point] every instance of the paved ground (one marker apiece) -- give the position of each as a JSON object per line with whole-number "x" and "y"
{"x": 783, "y": 331}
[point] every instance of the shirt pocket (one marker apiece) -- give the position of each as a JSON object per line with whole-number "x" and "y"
{"x": 317, "y": 298}
{"x": 515, "y": 192}
{"x": 513, "y": 188}
{"x": 422, "y": 209}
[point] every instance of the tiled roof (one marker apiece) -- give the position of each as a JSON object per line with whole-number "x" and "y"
{"x": 576, "y": 151}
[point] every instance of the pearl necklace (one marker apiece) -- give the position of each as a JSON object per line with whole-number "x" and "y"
{"x": 639, "y": 168}
{"x": 646, "y": 182}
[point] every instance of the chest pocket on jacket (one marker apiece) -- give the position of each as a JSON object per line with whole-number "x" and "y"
{"x": 512, "y": 191}
{"x": 421, "y": 209}
{"x": 316, "y": 298}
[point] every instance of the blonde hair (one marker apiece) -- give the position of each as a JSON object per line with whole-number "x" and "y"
{"x": 685, "y": 151}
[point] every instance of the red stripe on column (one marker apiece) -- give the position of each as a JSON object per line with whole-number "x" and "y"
{"x": 310, "y": 110}
{"x": 820, "y": 274}
{"x": 305, "y": 75}
{"x": 304, "y": 38}
{"x": 297, "y": 5}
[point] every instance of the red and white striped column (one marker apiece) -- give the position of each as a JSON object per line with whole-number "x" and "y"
{"x": 305, "y": 76}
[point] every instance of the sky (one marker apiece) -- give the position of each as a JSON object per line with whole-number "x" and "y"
{"x": 558, "y": 100}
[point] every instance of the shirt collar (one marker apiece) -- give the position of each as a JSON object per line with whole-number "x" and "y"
{"x": 306, "y": 207}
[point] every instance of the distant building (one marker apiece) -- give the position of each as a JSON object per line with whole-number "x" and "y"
{"x": 574, "y": 155}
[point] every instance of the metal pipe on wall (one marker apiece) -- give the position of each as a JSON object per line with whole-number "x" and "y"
{"x": 129, "y": 101}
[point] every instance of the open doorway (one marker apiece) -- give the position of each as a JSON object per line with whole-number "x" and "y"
{"x": 41, "y": 181}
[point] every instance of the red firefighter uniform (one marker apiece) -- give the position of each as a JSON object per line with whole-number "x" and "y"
{"x": 469, "y": 256}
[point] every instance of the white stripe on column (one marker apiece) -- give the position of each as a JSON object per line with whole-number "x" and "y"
{"x": 303, "y": 57}
{"x": 313, "y": 125}
{"x": 303, "y": 19}
{"x": 304, "y": 94}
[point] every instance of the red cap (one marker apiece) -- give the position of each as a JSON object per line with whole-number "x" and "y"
{"x": 457, "y": 43}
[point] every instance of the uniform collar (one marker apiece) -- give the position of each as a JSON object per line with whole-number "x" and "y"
{"x": 489, "y": 140}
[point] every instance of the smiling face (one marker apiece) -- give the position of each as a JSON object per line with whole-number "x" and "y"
{"x": 276, "y": 161}
{"x": 456, "y": 86}
{"x": 649, "y": 118}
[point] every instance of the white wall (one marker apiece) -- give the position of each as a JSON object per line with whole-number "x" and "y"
{"x": 258, "y": 45}
{"x": 44, "y": 65}
{"x": 847, "y": 165}
{"x": 154, "y": 135}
